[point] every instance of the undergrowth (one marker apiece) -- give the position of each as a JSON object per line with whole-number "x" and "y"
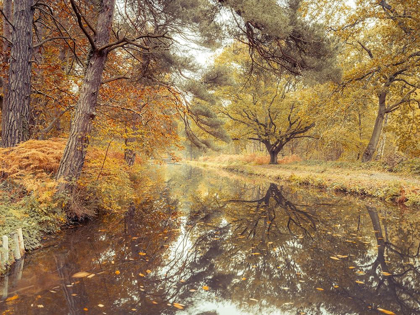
{"x": 28, "y": 195}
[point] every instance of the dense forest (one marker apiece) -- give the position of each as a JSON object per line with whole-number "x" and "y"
{"x": 91, "y": 89}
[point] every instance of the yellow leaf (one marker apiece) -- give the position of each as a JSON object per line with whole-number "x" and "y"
{"x": 385, "y": 311}
{"x": 352, "y": 267}
{"x": 335, "y": 258}
{"x": 142, "y": 254}
{"x": 206, "y": 288}
{"x": 85, "y": 309}
{"x": 81, "y": 274}
{"x": 117, "y": 272}
{"x": 148, "y": 271}
{"x": 243, "y": 278}
{"x": 179, "y": 306}
{"x": 141, "y": 275}
{"x": 386, "y": 274}
{"x": 359, "y": 282}
{"x": 14, "y": 297}
{"x": 154, "y": 302}
{"x": 320, "y": 289}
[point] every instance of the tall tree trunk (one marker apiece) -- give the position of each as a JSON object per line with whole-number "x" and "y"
{"x": 377, "y": 130}
{"x": 15, "y": 113}
{"x": 7, "y": 34}
{"x": 73, "y": 158}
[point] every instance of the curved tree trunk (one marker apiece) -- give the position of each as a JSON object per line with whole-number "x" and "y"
{"x": 377, "y": 130}
{"x": 15, "y": 113}
{"x": 73, "y": 159}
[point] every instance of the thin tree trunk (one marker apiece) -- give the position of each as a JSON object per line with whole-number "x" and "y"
{"x": 73, "y": 158}
{"x": 15, "y": 113}
{"x": 377, "y": 130}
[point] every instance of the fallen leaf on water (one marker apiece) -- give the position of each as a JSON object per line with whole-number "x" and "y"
{"x": 359, "y": 282}
{"x": 385, "y": 311}
{"x": 141, "y": 275}
{"x": 352, "y": 267}
{"x": 320, "y": 289}
{"x": 154, "y": 302}
{"x": 81, "y": 274}
{"x": 179, "y": 306}
{"x": 256, "y": 253}
{"x": 85, "y": 309}
{"x": 148, "y": 271}
{"x": 117, "y": 272}
{"x": 14, "y": 297}
{"x": 386, "y": 274}
{"x": 91, "y": 276}
{"x": 206, "y": 288}
{"x": 142, "y": 254}
{"x": 335, "y": 258}
{"x": 336, "y": 286}
{"x": 360, "y": 272}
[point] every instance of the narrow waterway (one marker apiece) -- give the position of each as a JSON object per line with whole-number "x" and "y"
{"x": 207, "y": 243}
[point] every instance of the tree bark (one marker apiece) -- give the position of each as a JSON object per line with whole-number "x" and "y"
{"x": 273, "y": 157}
{"x": 377, "y": 130}
{"x": 7, "y": 33}
{"x": 15, "y": 113}
{"x": 73, "y": 158}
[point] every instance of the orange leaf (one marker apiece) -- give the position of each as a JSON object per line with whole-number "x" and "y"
{"x": 179, "y": 306}
{"x": 206, "y": 288}
{"x": 14, "y": 297}
{"x": 385, "y": 311}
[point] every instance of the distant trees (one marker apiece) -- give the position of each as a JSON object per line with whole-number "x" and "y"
{"x": 260, "y": 106}
{"x": 383, "y": 46}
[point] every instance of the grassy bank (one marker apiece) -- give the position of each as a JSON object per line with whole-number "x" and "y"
{"x": 402, "y": 186}
{"x": 28, "y": 196}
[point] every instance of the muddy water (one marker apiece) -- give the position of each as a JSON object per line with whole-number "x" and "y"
{"x": 207, "y": 243}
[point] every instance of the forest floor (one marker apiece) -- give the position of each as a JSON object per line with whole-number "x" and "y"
{"x": 400, "y": 187}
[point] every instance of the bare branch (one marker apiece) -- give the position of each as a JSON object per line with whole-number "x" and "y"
{"x": 80, "y": 22}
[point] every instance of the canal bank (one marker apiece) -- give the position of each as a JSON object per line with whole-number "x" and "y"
{"x": 396, "y": 188}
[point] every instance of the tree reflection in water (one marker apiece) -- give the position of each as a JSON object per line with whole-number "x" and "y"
{"x": 256, "y": 247}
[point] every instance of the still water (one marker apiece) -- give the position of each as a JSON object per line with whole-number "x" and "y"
{"x": 215, "y": 244}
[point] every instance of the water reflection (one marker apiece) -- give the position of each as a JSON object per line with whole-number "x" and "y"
{"x": 200, "y": 243}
